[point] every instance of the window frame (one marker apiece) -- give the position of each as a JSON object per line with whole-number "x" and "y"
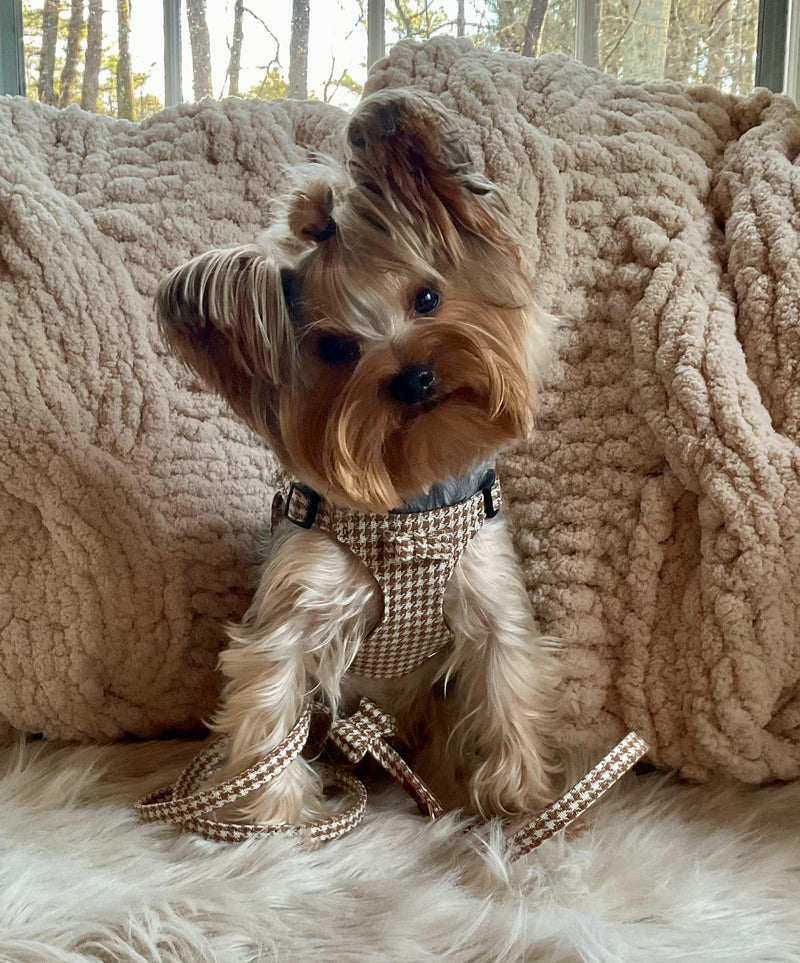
{"x": 776, "y": 68}
{"x": 12, "y": 51}
{"x": 173, "y": 66}
{"x": 791, "y": 75}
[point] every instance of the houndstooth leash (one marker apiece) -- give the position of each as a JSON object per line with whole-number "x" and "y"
{"x": 364, "y": 732}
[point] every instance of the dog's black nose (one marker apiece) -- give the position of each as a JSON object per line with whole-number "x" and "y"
{"x": 413, "y": 385}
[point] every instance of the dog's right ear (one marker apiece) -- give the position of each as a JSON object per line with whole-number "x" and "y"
{"x": 309, "y": 214}
{"x": 225, "y": 313}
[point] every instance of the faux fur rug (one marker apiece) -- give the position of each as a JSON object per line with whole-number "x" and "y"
{"x": 657, "y": 508}
{"x": 663, "y": 872}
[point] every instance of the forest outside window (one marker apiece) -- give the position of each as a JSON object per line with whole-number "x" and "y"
{"x": 129, "y": 58}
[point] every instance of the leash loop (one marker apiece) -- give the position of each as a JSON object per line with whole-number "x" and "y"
{"x": 365, "y": 731}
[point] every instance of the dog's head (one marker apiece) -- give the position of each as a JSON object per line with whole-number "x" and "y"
{"x": 384, "y": 337}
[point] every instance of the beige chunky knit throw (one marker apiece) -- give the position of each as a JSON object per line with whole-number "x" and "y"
{"x": 656, "y": 509}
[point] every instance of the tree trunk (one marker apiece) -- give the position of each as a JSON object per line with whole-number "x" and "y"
{"x": 201, "y": 48}
{"x": 124, "y": 78}
{"x": 94, "y": 55}
{"x": 719, "y": 33}
{"x": 682, "y": 43}
{"x": 672, "y": 67}
{"x": 74, "y": 37}
{"x": 235, "y": 62}
{"x": 506, "y": 13}
{"x": 461, "y": 19}
{"x": 298, "y": 50}
{"x": 533, "y": 27}
{"x": 47, "y": 58}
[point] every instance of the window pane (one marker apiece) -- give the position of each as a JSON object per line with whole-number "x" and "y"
{"x": 525, "y": 28}
{"x": 106, "y": 55}
{"x": 692, "y": 41}
{"x": 250, "y": 49}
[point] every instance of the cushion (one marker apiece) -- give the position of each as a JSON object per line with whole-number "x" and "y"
{"x": 657, "y": 506}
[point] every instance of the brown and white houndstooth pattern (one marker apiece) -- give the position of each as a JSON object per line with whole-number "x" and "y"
{"x": 355, "y": 735}
{"x": 365, "y": 731}
{"x": 582, "y": 795}
{"x": 183, "y": 801}
{"x": 412, "y": 556}
{"x": 188, "y": 806}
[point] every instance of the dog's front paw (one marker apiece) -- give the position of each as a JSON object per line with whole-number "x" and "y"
{"x": 509, "y": 782}
{"x": 295, "y": 796}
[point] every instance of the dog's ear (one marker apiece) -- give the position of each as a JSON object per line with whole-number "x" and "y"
{"x": 225, "y": 313}
{"x": 309, "y": 214}
{"x": 407, "y": 145}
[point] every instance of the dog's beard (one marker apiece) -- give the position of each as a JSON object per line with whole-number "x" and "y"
{"x": 362, "y": 448}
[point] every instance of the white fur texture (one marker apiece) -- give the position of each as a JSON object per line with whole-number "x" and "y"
{"x": 664, "y": 872}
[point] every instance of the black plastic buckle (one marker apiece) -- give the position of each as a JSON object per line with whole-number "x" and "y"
{"x": 489, "y": 506}
{"x": 311, "y": 511}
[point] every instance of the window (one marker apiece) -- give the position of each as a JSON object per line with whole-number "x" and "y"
{"x": 131, "y": 58}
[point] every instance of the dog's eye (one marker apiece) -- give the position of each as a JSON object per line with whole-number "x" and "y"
{"x": 338, "y": 350}
{"x": 426, "y": 301}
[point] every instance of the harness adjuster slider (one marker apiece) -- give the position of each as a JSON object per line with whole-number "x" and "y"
{"x": 313, "y": 501}
{"x": 489, "y": 507}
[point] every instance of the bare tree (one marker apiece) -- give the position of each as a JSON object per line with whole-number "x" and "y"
{"x": 718, "y": 33}
{"x": 201, "y": 48}
{"x": 403, "y": 19}
{"x": 506, "y": 13}
{"x": 47, "y": 57}
{"x": 235, "y": 61}
{"x": 533, "y": 27}
{"x": 298, "y": 50}
{"x": 124, "y": 77}
{"x": 94, "y": 56}
{"x": 675, "y": 43}
{"x": 69, "y": 72}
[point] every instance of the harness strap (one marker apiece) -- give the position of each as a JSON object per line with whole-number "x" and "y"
{"x": 184, "y": 801}
{"x": 365, "y": 731}
{"x": 362, "y": 732}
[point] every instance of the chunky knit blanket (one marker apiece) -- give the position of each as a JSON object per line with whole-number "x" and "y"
{"x": 656, "y": 508}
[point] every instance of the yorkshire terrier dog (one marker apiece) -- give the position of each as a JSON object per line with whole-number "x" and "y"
{"x": 384, "y": 341}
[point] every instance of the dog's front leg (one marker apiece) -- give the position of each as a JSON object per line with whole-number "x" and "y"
{"x": 314, "y": 604}
{"x": 505, "y": 679}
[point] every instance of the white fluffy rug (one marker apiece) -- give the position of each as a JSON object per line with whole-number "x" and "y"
{"x": 664, "y": 872}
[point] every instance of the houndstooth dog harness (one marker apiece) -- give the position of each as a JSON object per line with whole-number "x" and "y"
{"x": 412, "y": 556}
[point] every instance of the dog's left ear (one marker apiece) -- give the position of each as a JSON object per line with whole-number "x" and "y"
{"x": 309, "y": 214}
{"x": 406, "y": 144}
